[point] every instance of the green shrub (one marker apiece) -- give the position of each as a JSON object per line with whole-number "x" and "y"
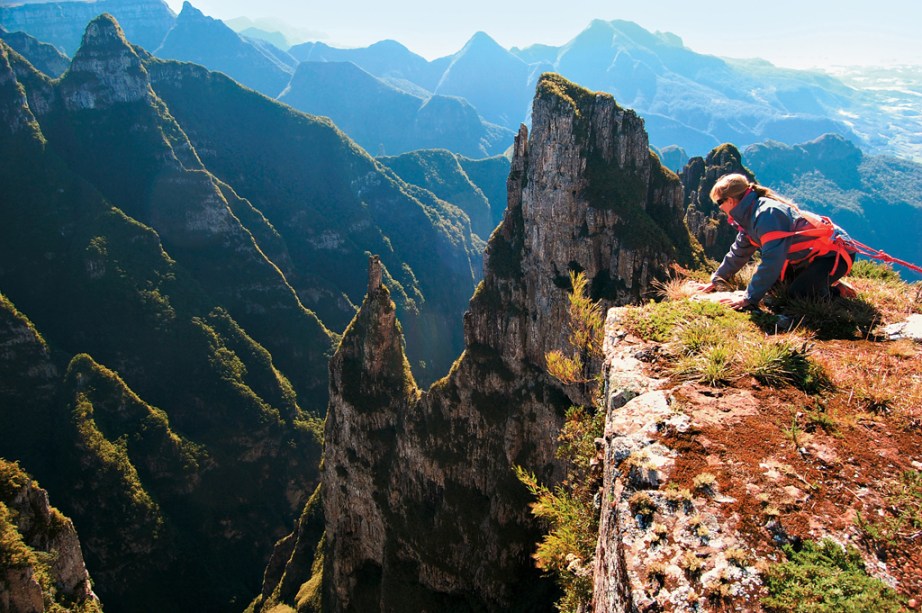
{"x": 824, "y": 577}
{"x": 879, "y": 271}
{"x": 568, "y": 511}
{"x": 783, "y": 361}
{"x": 831, "y": 318}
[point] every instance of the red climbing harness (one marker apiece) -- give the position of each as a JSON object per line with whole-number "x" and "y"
{"x": 821, "y": 239}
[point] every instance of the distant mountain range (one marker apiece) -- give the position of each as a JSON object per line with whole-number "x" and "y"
{"x": 202, "y": 40}
{"x": 385, "y": 119}
{"x": 687, "y": 99}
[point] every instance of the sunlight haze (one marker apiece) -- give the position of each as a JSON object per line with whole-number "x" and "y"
{"x": 786, "y": 32}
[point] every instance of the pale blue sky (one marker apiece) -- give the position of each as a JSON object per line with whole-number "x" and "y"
{"x": 795, "y": 33}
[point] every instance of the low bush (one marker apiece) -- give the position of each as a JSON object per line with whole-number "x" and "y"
{"x": 824, "y": 577}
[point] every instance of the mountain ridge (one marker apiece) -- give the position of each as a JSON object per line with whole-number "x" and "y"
{"x": 148, "y": 276}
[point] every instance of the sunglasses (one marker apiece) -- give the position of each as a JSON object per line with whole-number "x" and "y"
{"x": 720, "y": 201}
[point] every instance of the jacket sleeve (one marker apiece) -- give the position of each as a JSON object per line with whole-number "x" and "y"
{"x": 739, "y": 255}
{"x": 774, "y": 254}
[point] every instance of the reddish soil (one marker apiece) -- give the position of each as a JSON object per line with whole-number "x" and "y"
{"x": 815, "y": 462}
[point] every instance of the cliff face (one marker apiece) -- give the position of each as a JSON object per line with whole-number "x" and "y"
{"x": 419, "y": 497}
{"x": 155, "y": 414}
{"x": 42, "y": 564}
{"x": 105, "y": 71}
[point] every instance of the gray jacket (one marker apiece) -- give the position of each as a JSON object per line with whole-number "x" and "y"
{"x": 757, "y": 217}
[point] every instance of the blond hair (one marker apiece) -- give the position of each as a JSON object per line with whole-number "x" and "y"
{"x": 735, "y": 185}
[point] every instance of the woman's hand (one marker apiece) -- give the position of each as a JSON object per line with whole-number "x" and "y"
{"x": 737, "y": 303}
{"x": 702, "y": 288}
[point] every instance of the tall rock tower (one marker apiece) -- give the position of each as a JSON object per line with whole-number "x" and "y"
{"x": 423, "y": 511}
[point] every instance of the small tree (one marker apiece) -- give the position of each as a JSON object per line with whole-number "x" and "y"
{"x": 585, "y": 340}
{"x": 568, "y": 548}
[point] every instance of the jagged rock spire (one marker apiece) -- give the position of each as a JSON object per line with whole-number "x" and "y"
{"x": 375, "y": 272}
{"x": 106, "y": 70}
{"x": 420, "y": 499}
{"x": 704, "y": 219}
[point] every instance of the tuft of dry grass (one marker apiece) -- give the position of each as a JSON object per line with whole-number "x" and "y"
{"x": 878, "y": 379}
{"x": 691, "y": 563}
{"x": 674, "y": 289}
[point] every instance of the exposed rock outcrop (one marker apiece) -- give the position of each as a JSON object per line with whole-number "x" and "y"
{"x": 634, "y": 558}
{"x": 106, "y": 70}
{"x": 706, "y": 482}
{"x": 30, "y": 526}
{"x": 705, "y": 221}
{"x": 419, "y": 496}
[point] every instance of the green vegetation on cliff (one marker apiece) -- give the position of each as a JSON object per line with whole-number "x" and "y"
{"x": 176, "y": 439}
{"x": 31, "y": 533}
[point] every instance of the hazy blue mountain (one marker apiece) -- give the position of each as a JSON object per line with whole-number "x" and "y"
{"x": 41, "y": 55}
{"x": 209, "y": 42}
{"x": 877, "y": 199}
{"x": 492, "y": 79}
{"x": 386, "y": 120}
{"x": 277, "y": 39}
{"x": 384, "y": 59}
{"x": 688, "y": 98}
{"x": 673, "y": 157}
{"x": 275, "y": 52}
{"x": 482, "y": 72}
{"x": 61, "y": 24}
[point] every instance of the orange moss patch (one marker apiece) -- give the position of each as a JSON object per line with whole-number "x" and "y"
{"x": 813, "y": 463}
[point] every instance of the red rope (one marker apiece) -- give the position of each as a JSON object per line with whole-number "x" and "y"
{"x": 880, "y": 255}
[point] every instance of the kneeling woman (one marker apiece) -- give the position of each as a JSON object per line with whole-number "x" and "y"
{"x": 810, "y": 249}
